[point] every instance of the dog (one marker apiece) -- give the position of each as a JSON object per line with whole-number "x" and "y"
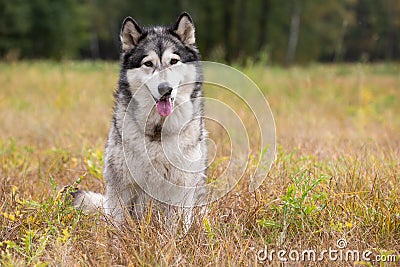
{"x": 156, "y": 153}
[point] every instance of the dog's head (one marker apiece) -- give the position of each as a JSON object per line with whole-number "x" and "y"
{"x": 163, "y": 59}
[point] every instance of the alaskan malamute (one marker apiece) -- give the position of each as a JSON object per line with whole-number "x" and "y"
{"x": 156, "y": 151}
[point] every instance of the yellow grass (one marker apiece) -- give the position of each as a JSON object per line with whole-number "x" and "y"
{"x": 336, "y": 175}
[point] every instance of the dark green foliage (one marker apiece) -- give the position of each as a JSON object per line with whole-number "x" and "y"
{"x": 42, "y": 28}
{"x": 231, "y": 31}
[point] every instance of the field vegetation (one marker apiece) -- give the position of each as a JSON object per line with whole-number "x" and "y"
{"x": 336, "y": 174}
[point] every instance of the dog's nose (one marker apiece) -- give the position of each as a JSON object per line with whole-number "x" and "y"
{"x": 164, "y": 88}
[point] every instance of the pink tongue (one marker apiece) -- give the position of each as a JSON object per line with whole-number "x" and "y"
{"x": 164, "y": 107}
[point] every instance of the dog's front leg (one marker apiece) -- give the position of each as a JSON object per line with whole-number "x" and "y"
{"x": 187, "y": 218}
{"x": 116, "y": 203}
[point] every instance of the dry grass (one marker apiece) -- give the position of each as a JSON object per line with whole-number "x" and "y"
{"x": 337, "y": 172}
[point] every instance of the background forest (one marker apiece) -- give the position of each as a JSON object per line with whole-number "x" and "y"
{"x": 282, "y": 32}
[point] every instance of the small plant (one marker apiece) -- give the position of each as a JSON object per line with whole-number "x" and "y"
{"x": 299, "y": 198}
{"x": 302, "y": 202}
{"x": 37, "y": 226}
{"x": 94, "y": 162}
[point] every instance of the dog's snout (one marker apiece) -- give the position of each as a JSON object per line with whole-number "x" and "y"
{"x": 164, "y": 88}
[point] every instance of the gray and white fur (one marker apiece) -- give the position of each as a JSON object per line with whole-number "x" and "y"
{"x": 156, "y": 154}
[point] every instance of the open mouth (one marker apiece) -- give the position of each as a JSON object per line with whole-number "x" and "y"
{"x": 165, "y": 105}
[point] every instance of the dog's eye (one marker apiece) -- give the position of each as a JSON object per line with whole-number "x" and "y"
{"x": 173, "y": 61}
{"x": 148, "y": 64}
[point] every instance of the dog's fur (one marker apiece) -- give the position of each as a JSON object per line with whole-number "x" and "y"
{"x": 154, "y": 157}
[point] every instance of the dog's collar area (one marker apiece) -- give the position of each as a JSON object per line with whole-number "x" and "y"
{"x": 154, "y": 134}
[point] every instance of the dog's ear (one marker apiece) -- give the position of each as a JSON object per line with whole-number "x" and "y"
{"x": 184, "y": 28}
{"x": 130, "y": 34}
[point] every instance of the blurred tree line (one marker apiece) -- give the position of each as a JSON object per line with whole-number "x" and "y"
{"x": 231, "y": 31}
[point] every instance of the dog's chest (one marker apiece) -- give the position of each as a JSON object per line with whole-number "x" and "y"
{"x": 179, "y": 152}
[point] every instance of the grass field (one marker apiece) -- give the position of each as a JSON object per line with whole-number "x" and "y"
{"x": 336, "y": 175}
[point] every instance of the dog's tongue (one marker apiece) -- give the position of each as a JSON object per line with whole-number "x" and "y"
{"x": 164, "y": 107}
